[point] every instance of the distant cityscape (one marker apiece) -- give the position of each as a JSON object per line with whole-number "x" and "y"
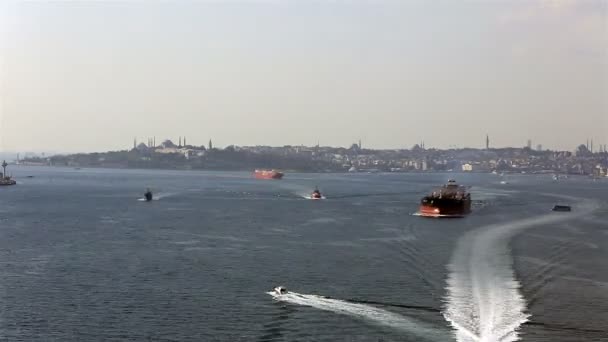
{"x": 584, "y": 160}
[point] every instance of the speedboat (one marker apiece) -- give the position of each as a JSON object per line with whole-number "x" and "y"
{"x": 148, "y": 195}
{"x": 280, "y": 290}
{"x": 560, "y": 207}
{"x": 316, "y": 194}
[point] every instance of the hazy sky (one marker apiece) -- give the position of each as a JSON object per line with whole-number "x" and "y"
{"x": 85, "y": 76}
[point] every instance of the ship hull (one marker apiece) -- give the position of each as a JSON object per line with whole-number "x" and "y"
{"x": 263, "y": 174}
{"x": 445, "y": 209}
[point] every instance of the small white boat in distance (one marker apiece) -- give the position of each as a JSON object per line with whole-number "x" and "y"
{"x": 280, "y": 290}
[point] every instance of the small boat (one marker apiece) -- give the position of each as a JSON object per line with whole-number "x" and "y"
{"x": 148, "y": 195}
{"x": 280, "y": 290}
{"x": 316, "y": 194}
{"x": 504, "y": 182}
{"x": 559, "y": 207}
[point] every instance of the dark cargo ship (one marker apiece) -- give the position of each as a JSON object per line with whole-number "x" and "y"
{"x": 451, "y": 200}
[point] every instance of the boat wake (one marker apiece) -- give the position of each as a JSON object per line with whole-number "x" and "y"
{"x": 310, "y": 197}
{"x": 484, "y": 302}
{"x": 364, "y": 312}
{"x": 159, "y": 196}
{"x": 162, "y": 195}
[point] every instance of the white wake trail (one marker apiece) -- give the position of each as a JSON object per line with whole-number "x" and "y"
{"x": 484, "y": 302}
{"x": 364, "y": 312}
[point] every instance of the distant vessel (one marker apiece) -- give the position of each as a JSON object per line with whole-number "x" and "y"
{"x": 560, "y": 207}
{"x": 451, "y": 200}
{"x": 4, "y": 178}
{"x": 280, "y": 290}
{"x": 316, "y": 195}
{"x": 148, "y": 195}
{"x": 555, "y": 177}
{"x": 267, "y": 174}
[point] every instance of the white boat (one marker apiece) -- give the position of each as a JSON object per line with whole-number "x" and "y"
{"x": 280, "y": 290}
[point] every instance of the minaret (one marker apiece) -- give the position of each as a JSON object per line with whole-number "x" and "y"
{"x": 487, "y": 142}
{"x": 180, "y": 142}
{"x": 210, "y": 144}
{"x": 359, "y": 143}
{"x": 154, "y": 141}
{"x": 185, "y": 142}
{"x": 134, "y": 143}
{"x": 591, "y": 145}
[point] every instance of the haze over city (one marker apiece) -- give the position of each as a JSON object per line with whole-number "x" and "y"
{"x": 91, "y": 76}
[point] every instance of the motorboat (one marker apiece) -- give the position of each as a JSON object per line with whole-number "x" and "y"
{"x": 561, "y": 207}
{"x": 316, "y": 194}
{"x": 148, "y": 195}
{"x": 280, "y": 290}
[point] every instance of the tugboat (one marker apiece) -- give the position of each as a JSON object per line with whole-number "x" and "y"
{"x": 451, "y": 200}
{"x": 267, "y": 174}
{"x": 148, "y": 195}
{"x": 4, "y": 178}
{"x": 316, "y": 194}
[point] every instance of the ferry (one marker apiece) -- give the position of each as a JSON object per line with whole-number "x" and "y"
{"x": 267, "y": 174}
{"x": 451, "y": 200}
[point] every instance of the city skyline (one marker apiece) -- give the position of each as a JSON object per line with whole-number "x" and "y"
{"x": 390, "y": 73}
{"x": 181, "y": 142}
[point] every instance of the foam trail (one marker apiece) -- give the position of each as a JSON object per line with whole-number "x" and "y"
{"x": 365, "y": 312}
{"x": 310, "y": 197}
{"x": 159, "y": 196}
{"x": 484, "y": 302}
{"x": 164, "y": 195}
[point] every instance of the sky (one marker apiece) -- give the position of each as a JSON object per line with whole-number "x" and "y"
{"x": 90, "y": 76}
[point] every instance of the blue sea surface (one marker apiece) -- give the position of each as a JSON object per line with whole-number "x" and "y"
{"x": 82, "y": 258}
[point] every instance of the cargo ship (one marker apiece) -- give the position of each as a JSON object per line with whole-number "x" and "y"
{"x": 267, "y": 174}
{"x": 451, "y": 200}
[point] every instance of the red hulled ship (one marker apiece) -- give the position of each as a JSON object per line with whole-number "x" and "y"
{"x": 267, "y": 174}
{"x": 451, "y": 200}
